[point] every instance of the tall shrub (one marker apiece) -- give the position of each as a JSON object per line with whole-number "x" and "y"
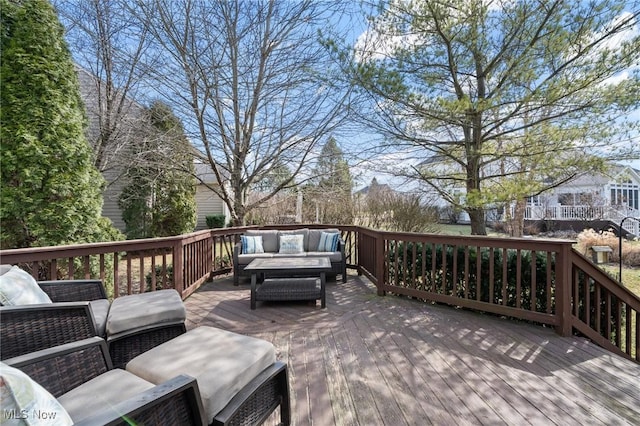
{"x": 51, "y": 194}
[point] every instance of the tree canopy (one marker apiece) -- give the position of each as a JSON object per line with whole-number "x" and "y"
{"x": 500, "y": 99}
{"x": 51, "y": 192}
{"x": 253, "y": 83}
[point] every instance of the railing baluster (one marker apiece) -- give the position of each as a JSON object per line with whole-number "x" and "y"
{"x": 444, "y": 268}
{"x": 518, "y": 294}
{"x": 534, "y": 261}
{"x": 505, "y": 281}
{"x": 478, "y": 273}
{"x": 466, "y": 272}
{"x": 491, "y": 275}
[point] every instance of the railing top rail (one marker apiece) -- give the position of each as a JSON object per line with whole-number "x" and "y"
{"x": 43, "y": 253}
{"x": 476, "y": 240}
{"x": 604, "y": 278}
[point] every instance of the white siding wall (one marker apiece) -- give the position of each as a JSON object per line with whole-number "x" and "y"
{"x": 208, "y": 204}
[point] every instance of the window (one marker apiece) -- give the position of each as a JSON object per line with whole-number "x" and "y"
{"x": 625, "y": 194}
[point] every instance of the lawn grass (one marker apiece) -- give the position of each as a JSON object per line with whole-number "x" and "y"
{"x": 450, "y": 229}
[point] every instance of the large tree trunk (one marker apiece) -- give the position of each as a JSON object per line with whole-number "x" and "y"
{"x": 517, "y": 222}
{"x": 478, "y": 225}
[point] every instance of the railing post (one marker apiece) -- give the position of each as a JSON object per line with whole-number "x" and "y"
{"x": 563, "y": 290}
{"x": 380, "y": 255}
{"x": 178, "y": 267}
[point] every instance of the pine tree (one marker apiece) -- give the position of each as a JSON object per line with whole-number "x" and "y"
{"x": 51, "y": 194}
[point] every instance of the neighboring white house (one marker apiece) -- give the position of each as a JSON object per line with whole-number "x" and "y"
{"x": 207, "y": 202}
{"x": 609, "y": 197}
{"x": 606, "y": 197}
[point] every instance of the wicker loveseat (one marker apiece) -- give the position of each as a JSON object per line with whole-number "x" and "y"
{"x": 271, "y": 246}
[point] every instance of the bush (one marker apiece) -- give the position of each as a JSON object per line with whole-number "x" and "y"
{"x": 215, "y": 221}
{"x": 163, "y": 281}
{"x": 630, "y": 250}
{"x": 402, "y": 270}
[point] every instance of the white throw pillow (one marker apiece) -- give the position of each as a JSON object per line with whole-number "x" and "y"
{"x": 25, "y": 402}
{"x": 251, "y": 244}
{"x": 328, "y": 241}
{"x": 17, "y": 287}
{"x": 291, "y": 244}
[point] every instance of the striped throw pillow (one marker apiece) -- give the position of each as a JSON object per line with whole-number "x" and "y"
{"x": 251, "y": 244}
{"x": 328, "y": 241}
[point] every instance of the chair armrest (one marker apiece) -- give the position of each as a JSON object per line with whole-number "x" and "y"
{"x": 65, "y": 367}
{"x": 73, "y": 290}
{"x": 176, "y": 401}
{"x": 30, "y": 328}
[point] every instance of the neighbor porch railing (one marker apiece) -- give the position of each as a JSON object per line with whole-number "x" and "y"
{"x": 585, "y": 213}
{"x": 544, "y": 281}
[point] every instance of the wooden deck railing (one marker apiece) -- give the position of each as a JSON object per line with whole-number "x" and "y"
{"x": 544, "y": 281}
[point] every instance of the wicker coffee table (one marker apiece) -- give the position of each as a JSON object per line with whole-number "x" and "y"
{"x": 289, "y": 278}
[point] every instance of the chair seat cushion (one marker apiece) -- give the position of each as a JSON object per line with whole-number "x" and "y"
{"x": 100, "y": 310}
{"x": 222, "y": 362}
{"x": 102, "y": 393}
{"x": 136, "y": 311}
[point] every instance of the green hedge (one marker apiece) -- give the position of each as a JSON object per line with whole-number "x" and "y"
{"x": 159, "y": 278}
{"x": 215, "y": 221}
{"x": 406, "y": 267}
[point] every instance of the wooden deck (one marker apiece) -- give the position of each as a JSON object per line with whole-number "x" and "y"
{"x": 369, "y": 360}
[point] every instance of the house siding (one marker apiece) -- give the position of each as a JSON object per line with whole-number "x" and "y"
{"x": 111, "y": 194}
{"x": 208, "y": 203}
{"x": 114, "y": 166}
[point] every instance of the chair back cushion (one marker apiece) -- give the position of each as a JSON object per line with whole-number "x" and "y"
{"x": 18, "y": 287}
{"x": 24, "y": 399}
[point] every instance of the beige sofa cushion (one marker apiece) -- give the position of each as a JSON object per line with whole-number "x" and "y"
{"x": 334, "y": 256}
{"x": 314, "y": 237}
{"x": 221, "y": 361}
{"x": 102, "y": 393}
{"x": 269, "y": 239}
{"x": 245, "y": 259}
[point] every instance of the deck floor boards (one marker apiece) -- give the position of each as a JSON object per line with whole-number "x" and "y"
{"x": 370, "y": 360}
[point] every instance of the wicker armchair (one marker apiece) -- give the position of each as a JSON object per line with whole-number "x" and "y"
{"x": 79, "y": 311}
{"x": 67, "y": 367}
{"x": 72, "y": 317}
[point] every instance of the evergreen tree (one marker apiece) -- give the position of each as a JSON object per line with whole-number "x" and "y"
{"x": 331, "y": 192}
{"x": 159, "y": 200}
{"x": 499, "y": 100}
{"x": 51, "y": 192}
